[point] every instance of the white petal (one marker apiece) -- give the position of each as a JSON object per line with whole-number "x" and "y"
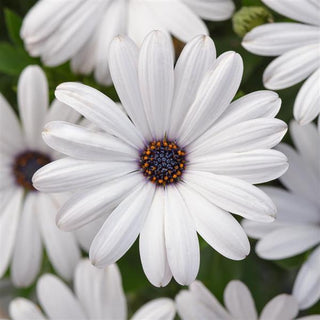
{"x": 307, "y": 140}
{"x": 307, "y": 104}
{"x": 288, "y": 241}
{"x": 122, "y": 227}
{"x": 299, "y": 178}
{"x": 100, "y": 291}
{"x": 156, "y": 80}
{"x": 86, "y": 234}
{"x": 72, "y": 174}
{"x": 82, "y": 143}
{"x": 60, "y": 111}
{"x": 283, "y": 307}
{"x": 274, "y": 39}
{"x": 194, "y": 61}
{"x": 233, "y": 195}
{"x": 258, "y": 230}
{"x": 61, "y": 247}
{"x": 88, "y": 205}
{"x": 152, "y": 243}
{"x": 71, "y": 34}
{"x": 33, "y": 101}
{"x": 306, "y": 11}
{"x": 215, "y": 10}
{"x": 177, "y": 18}
{"x": 239, "y": 301}
{"x": 11, "y": 139}
{"x": 215, "y": 93}
{"x": 262, "y": 133}
{"x": 113, "y": 23}
{"x": 23, "y": 309}
{"x": 306, "y": 288}
{"x": 292, "y": 208}
{"x": 181, "y": 238}
{"x": 9, "y": 220}
{"x": 158, "y": 309}
{"x": 57, "y": 300}
{"x": 123, "y": 56}
{"x": 199, "y": 302}
{"x": 255, "y": 166}
{"x": 292, "y": 67}
{"x": 216, "y": 226}
{"x": 27, "y": 255}
{"x": 99, "y": 109}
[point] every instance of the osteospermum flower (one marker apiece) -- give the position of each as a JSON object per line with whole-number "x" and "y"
{"x": 183, "y": 159}
{"x": 199, "y": 303}
{"x": 82, "y": 31}
{"x": 27, "y": 216}
{"x": 298, "y": 48}
{"x": 98, "y": 294}
{"x": 297, "y": 227}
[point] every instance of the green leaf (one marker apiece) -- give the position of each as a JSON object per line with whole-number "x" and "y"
{"x": 13, "y": 23}
{"x": 13, "y": 60}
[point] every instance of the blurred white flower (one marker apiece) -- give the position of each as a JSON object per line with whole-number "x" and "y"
{"x": 183, "y": 159}
{"x": 199, "y": 303}
{"x": 98, "y": 294}
{"x": 297, "y": 227}
{"x": 298, "y": 48}
{"x": 82, "y": 30}
{"x": 27, "y": 216}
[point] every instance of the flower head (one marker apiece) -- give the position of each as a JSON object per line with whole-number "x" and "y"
{"x": 298, "y": 48}
{"x": 176, "y": 163}
{"x": 61, "y": 30}
{"x": 26, "y": 215}
{"x": 297, "y": 227}
{"x": 199, "y": 303}
{"x": 98, "y": 294}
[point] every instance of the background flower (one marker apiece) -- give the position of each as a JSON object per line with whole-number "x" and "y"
{"x": 98, "y": 294}
{"x": 27, "y": 216}
{"x": 61, "y": 30}
{"x": 297, "y": 227}
{"x": 298, "y": 48}
{"x": 199, "y": 303}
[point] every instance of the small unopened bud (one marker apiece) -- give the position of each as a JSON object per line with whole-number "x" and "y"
{"x": 248, "y": 18}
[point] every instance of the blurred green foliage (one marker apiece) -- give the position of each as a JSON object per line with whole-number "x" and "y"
{"x": 264, "y": 278}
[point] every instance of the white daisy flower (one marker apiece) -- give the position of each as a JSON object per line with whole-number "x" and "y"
{"x": 298, "y": 48}
{"x": 58, "y": 31}
{"x": 297, "y": 227}
{"x": 199, "y": 303}
{"x": 98, "y": 294}
{"x": 183, "y": 159}
{"x": 27, "y": 216}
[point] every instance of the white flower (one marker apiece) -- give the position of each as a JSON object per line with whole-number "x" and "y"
{"x": 199, "y": 303}
{"x": 27, "y": 216}
{"x": 297, "y": 227}
{"x": 98, "y": 294}
{"x": 184, "y": 161}
{"x": 298, "y": 48}
{"x": 82, "y": 31}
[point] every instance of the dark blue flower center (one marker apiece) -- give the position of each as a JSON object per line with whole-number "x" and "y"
{"x": 163, "y": 162}
{"x": 25, "y": 166}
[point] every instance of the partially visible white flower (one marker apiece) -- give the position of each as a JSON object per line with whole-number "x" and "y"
{"x": 175, "y": 166}
{"x": 298, "y": 48}
{"x": 297, "y": 227}
{"x": 27, "y": 217}
{"x": 98, "y": 294}
{"x": 58, "y": 31}
{"x": 199, "y": 303}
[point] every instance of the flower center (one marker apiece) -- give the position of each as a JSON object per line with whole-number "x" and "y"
{"x": 26, "y": 164}
{"x": 163, "y": 162}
